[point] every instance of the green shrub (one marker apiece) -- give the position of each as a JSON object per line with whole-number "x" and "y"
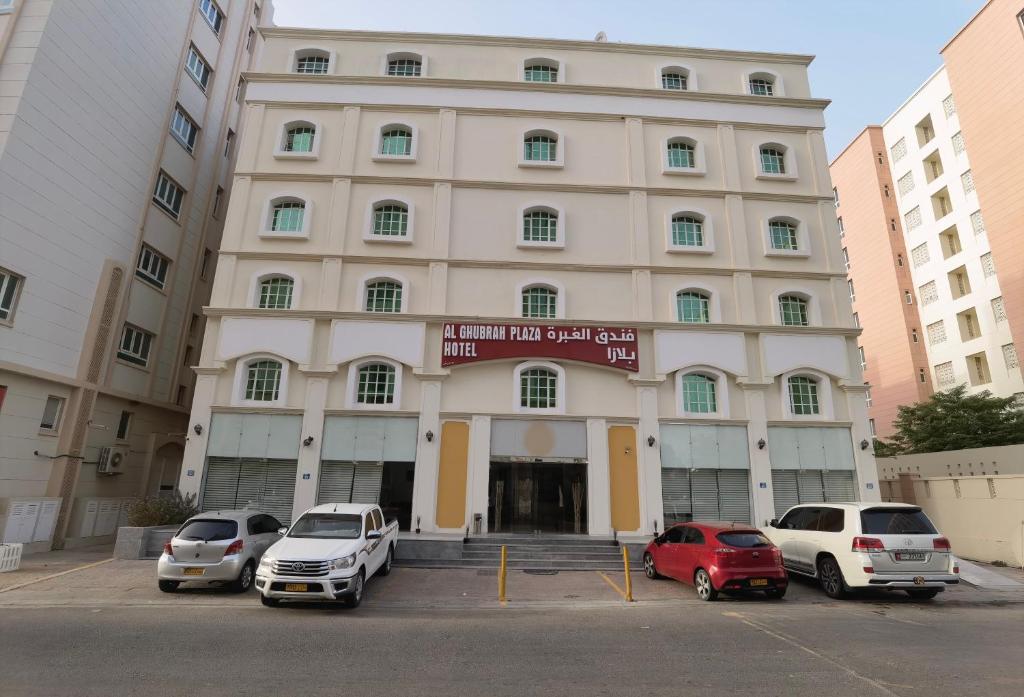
{"x": 162, "y": 510}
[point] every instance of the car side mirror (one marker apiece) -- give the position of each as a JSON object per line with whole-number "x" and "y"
{"x": 373, "y": 534}
{"x": 659, "y": 540}
{"x": 282, "y": 530}
{"x": 774, "y": 523}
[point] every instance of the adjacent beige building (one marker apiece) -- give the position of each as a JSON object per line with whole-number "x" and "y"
{"x": 117, "y": 139}
{"x": 518, "y": 285}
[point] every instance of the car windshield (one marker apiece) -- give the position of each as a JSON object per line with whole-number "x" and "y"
{"x": 744, "y": 538}
{"x": 208, "y": 530}
{"x": 895, "y": 521}
{"x": 335, "y": 526}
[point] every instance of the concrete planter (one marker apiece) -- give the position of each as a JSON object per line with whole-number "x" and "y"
{"x": 142, "y": 543}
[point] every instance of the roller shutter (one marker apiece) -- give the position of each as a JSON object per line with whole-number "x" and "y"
{"x": 704, "y": 490}
{"x": 675, "y": 493}
{"x": 221, "y": 485}
{"x": 366, "y": 484}
{"x": 235, "y": 483}
{"x": 839, "y": 485}
{"x": 791, "y": 487}
{"x": 809, "y": 486}
{"x": 335, "y": 484}
{"x": 784, "y": 490}
{"x": 734, "y": 495}
{"x": 705, "y": 495}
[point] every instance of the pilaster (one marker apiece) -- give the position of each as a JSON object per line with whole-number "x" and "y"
{"x": 636, "y": 163}
{"x": 479, "y": 470}
{"x": 860, "y": 432}
{"x": 307, "y": 474}
{"x": 349, "y": 136}
{"x": 337, "y": 222}
{"x": 599, "y": 502}
{"x": 649, "y": 456}
{"x": 194, "y": 461}
{"x": 235, "y": 220}
{"x": 762, "y": 501}
{"x": 424, "y": 485}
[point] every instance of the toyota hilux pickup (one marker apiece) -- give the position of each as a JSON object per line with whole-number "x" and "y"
{"x": 328, "y": 554}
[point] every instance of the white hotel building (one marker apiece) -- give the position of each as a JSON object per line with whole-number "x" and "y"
{"x": 660, "y": 219}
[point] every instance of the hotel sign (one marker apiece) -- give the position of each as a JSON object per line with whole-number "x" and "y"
{"x": 609, "y": 346}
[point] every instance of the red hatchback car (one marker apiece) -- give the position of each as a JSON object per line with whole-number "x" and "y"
{"x": 717, "y": 557}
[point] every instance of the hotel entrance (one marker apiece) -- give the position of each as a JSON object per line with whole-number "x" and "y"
{"x": 537, "y": 497}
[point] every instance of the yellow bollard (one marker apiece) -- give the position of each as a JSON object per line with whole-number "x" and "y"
{"x": 501, "y": 574}
{"x": 629, "y": 581}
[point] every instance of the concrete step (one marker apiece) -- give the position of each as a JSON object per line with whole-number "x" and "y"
{"x": 568, "y": 549}
{"x": 543, "y": 540}
{"x": 532, "y": 555}
{"x": 523, "y": 565}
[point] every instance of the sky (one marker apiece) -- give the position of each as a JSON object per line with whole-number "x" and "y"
{"x": 870, "y": 54}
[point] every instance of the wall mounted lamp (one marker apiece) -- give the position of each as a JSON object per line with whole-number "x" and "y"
{"x": 307, "y": 441}
{"x": 761, "y": 444}
{"x": 430, "y": 436}
{"x": 650, "y": 441}
{"x": 864, "y": 444}
{"x": 198, "y": 428}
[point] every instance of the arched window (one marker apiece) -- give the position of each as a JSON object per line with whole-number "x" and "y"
{"x": 687, "y": 230}
{"x": 773, "y": 159}
{"x": 761, "y": 84}
{"x": 803, "y": 395}
{"x": 699, "y": 394}
{"x": 538, "y": 388}
{"x": 299, "y": 137}
{"x": 390, "y": 220}
{"x": 540, "y": 302}
{"x": 675, "y": 78}
{"x": 693, "y": 307}
{"x": 287, "y": 215}
{"x": 405, "y": 65}
{"x": 783, "y": 234}
{"x": 312, "y": 61}
{"x": 540, "y": 225}
{"x": 275, "y": 293}
{"x": 376, "y": 384}
{"x": 793, "y": 311}
{"x": 263, "y": 380}
{"x": 540, "y": 70}
{"x": 384, "y": 295}
{"x": 540, "y": 147}
{"x": 396, "y": 141}
{"x": 681, "y": 154}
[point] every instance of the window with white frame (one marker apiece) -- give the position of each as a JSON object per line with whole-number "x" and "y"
{"x": 948, "y": 107}
{"x": 540, "y": 70}
{"x": 699, "y": 393}
{"x": 761, "y": 85}
{"x": 405, "y": 65}
{"x": 899, "y": 150}
{"x": 920, "y": 255}
{"x": 212, "y": 14}
{"x": 693, "y": 307}
{"x": 681, "y": 154}
{"x": 198, "y": 68}
{"x": 152, "y": 266}
{"x": 853, "y": 293}
{"x": 287, "y": 216}
{"x": 688, "y": 230}
{"x": 376, "y": 384}
{"x": 396, "y": 141}
{"x": 846, "y": 258}
{"x": 905, "y": 184}
{"x": 539, "y": 302}
{"x": 871, "y": 422}
{"x": 936, "y": 332}
{"x": 928, "y": 293}
{"x": 977, "y": 223}
{"x": 967, "y": 179}
{"x": 168, "y": 195}
{"x": 912, "y": 218}
{"x": 842, "y": 228}
{"x": 987, "y": 265}
{"x": 773, "y": 160}
{"x": 856, "y": 319}
{"x": 540, "y": 147}
{"x": 312, "y": 62}
{"x": 958, "y": 143}
{"x": 867, "y": 403}
{"x": 863, "y": 358}
{"x": 10, "y": 289}
{"x": 675, "y": 79}
{"x": 383, "y": 295}
{"x": 540, "y": 225}
{"x": 263, "y": 380}
{"x": 6, "y": 6}
{"x": 135, "y": 345}
{"x": 299, "y": 137}
{"x": 944, "y": 374}
{"x": 538, "y": 388}
{"x": 184, "y": 129}
{"x": 998, "y": 309}
{"x": 390, "y": 220}
{"x": 803, "y": 395}
{"x": 1010, "y": 356}
{"x": 793, "y": 311}
{"x": 53, "y": 410}
{"x": 124, "y": 425}
{"x": 275, "y": 293}
{"x": 908, "y": 297}
{"x": 782, "y": 234}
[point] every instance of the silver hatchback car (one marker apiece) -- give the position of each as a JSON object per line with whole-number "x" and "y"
{"x": 219, "y": 547}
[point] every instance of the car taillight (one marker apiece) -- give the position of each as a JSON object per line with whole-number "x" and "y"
{"x": 956, "y": 569}
{"x": 941, "y": 543}
{"x": 869, "y": 569}
{"x": 777, "y": 554}
{"x": 233, "y": 548}
{"x": 868, "y": 544}
{"x": 167, "y": 549}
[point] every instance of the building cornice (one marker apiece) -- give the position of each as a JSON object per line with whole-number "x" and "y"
{"x": 816, "y": 423}
{"x": 530, "y": 42}
{"x": 623, "y": 189}
{"x": 222, "y": 312}
{"x": 553, "y": 88}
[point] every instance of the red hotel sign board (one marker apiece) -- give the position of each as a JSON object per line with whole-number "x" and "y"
{"x": 467, "y": 343}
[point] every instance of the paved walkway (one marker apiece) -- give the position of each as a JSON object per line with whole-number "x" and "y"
{"x": 42, "y": 564}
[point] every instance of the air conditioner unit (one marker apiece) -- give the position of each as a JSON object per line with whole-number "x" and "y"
{"x": 111, "y": 459}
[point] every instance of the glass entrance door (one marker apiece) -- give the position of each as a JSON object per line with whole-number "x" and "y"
{"x": 531, "y": 497}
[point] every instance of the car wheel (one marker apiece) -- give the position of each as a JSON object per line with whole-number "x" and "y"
{"x": 705, "y": 589}
{"x": 385, "y": 568}
{"x": 922, "y": 593}
{"x": 168, "y": 586}
{"x": 356, "y": 596}
{"x": 831, "y": 578}
{"x": 775, "y": 593}
{"x": 244, "y": 580}
{"x": 650, "y": 570}
{"x": 269, "y": 602}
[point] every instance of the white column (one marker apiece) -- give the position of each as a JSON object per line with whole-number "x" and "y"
{"x": 649, "y": 457}
{"x": 424, "y": 484}
{"x": 478, "y": 472}
{"x": 307, "y": 474}
{"x": 761, "y": 497}
{"x": 194, "y": 460}
{"x": 599, "y": 500}
{"x": 864, "y": 459}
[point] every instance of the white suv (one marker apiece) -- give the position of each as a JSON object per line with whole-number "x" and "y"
{"x": 848, "y": 546}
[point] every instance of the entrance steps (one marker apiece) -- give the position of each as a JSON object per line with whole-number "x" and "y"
{"x": 532, "y": 553}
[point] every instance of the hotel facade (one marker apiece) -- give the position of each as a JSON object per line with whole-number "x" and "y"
{"x": 523, "y": 285}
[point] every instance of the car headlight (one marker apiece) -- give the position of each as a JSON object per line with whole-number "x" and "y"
{"x": 343, "y": 563}
{"x": 267, "y": 561}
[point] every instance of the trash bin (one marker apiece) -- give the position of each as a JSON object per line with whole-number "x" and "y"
{"x": 478, "y": 523}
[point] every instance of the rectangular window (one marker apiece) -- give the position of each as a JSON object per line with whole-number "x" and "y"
{"x": 908, "y": 297}
{"x": 52, "y": 412}
{"x": 184, "y": 129}
{"x": 376, "y": 384}
{"x": 912, "y": 218}
{"x": 181, "y": 396}
{"x": 204, "y": 269}
{"x": 842, "y": 229}
{"x": 958, "y": 143}
{"x": 193, "y": 324}
{"x": 218, "y": 199}
{"x": 948, "y": 107}
{"x": 906, "y": 183}
{"x": 944, "y": 374}
{"x": 846, "y": 258}
{"x": 152, "y": 266}
{"x": 936, "y": 332}
{"x": 928, "y": 293}
{"x": 168, "y": 195}
{"x": 135, "y": 345}
{"x": 977, "y": 223}
{"x": 229, "y": 143}
{"x": 899, "y": 150}
{"x": 198, "y": 68}
{"x": 10, "y": 289}
{"x": 1010, "y": 356}
{"x": 835, "y": 196}
{"x": 863, "y": 359}
{"x": 853, "y": 295}
{"x": 920, "y": 255}
{"x": 867, "y": 403}
{"x": 249, "y": 41}
{"x": 967, "y": 179}
{"x": 538, "y": 389}
{"x": 123, "y": 425}
{"x": 998, "y": 309}
{"x": 856, "y": 319}
{"x": 212, "y": 14}
{"x": 871, "y": 422}
{"x": 987, "y": 266}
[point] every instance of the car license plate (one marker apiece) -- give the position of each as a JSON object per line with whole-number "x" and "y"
{"x": 194, "y": 571}
{"x": 758, "y": 582}
{"x": 910, "y": 556}
{"x": 295, "y": 587}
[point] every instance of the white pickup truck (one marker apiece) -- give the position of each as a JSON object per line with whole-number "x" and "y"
{"x": 328, "y": 554}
